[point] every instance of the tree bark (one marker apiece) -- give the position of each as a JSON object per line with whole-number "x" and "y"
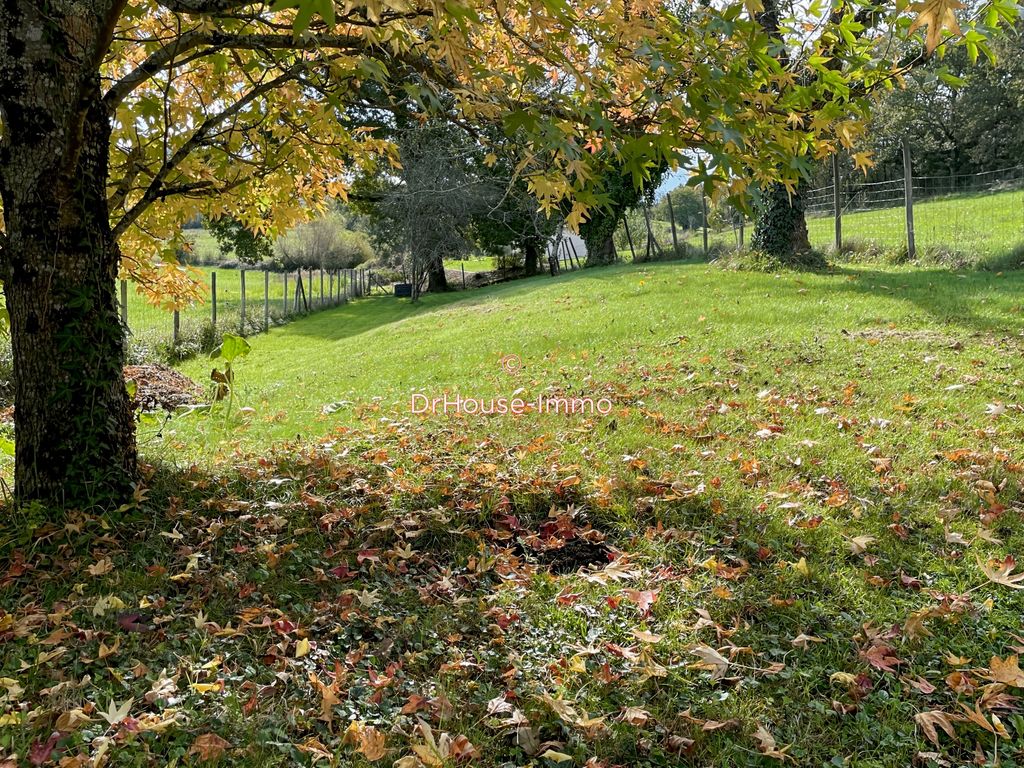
{"x": 437, "y": 280}
{"x": 781, "y": 226}
{"x": 605, "y": 253}
{"x": 531, "y": 256}
{"x": 74, "y": 429}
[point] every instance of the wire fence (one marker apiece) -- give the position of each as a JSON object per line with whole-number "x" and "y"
{"x": 977, "y": 215}
{"x": 246, "y": 301}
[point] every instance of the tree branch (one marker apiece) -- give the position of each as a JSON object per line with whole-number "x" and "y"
{"x": 216, "y": 41}
{"x": 156, "y": 186}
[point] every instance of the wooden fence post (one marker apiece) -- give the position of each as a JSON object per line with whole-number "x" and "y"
{"x": 266, "y": 300}
{"x": 837, "y": 201}
{"x": 213, "y": 298}
{"x": 629, "y": 238}
{"x": 241, "y": 276}
{"x": 704, "y": 211}
{"x": 672, "y": 220}
{"x": 908, "y": 198}
{"x": 124, "y": 303}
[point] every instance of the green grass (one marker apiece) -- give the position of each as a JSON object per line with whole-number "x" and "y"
{"x": 204, "y": 245}
{"x": 148, "y": 321}
{"x": 762, "y": 426}
{"x": 981, "y": 228}
{"x": 473, "y": 264}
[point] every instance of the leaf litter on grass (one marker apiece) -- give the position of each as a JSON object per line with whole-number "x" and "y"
{"x": 402, "y": 593}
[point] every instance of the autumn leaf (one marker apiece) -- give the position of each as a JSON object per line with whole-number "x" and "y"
{"x": 209, "y": 746}
{"x": 767, "y": 746}
{"x": 927, "y": 721}
{"x": 937, "y": 15}
{"x": 371, "y": 744}
{"x": 643, "y": 599}
{"x": 558, "y": 757}
{"x": 711, "y": 660}
{"x": 978, "y": 718}
{"x": 1003, "y": 574}
{"x": 882, "y": 657}
{"x": 1006, "y": 671}
{"x": 100, "y": 567}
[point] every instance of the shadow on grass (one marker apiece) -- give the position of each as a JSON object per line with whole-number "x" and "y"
{"x": 948, "y": 297}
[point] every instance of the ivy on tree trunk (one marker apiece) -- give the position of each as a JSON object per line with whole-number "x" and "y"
{"x": 781, "y": 226}
{"x": 74, "y": 428}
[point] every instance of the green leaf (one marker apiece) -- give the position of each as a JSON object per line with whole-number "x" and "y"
{"x": 232, "y": 347}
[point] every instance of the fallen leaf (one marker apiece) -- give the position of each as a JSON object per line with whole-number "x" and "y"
{"x": 209, "y": 746}
{"x": 935, "y": 717}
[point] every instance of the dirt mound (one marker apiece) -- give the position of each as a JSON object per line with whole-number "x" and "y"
{"x": 157, "y": 386}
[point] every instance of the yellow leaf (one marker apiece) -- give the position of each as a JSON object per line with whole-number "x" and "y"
{"x": 937, "y": 15}
{"x": 1008, "y": 671}
{"x": 301, "y": 648}
{"x": 558, "y": 757}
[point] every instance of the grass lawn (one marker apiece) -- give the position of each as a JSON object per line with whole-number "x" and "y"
{"x": 475, "y": 264}
{"x": 147, "y": 320}
{"x": 988, "y": 227}
{"x": 790, "y": 540}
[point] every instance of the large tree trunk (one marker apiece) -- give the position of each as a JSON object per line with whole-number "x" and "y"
{"x": 437, "y": 280}
{"x": 781, "y": 226}
{"x": 74, "y": 430}
{"x": 604, "y": 253}
{"x": 531, "y": 255}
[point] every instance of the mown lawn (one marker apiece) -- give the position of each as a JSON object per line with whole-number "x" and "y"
{"x": 987, "y": 228}
{"x": 147, "y": 321}
{"x": 791, "y": 540}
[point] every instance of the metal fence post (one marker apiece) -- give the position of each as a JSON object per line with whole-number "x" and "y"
{"x": 213, "y": 298}
{"x": 837, "y": 201}
{"x": 704, "y": 211}
{"x": 241, "y": 277}
{"x": 266, "y": 300}
{"x": 176, "y": 334}
{"x": 124, "y": 303}
{"x": 321, "y": 287}
{"x": 286, "y": 294}
{"x": 908, "y": 197}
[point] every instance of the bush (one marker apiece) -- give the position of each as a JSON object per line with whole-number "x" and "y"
{"x": 509, "y": 260}
{"x": 323, "y": 243}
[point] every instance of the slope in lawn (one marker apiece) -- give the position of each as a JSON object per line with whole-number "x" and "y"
{"x": 791, "y": 539}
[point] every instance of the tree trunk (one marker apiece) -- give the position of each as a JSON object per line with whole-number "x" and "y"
{"x": 605, "y": 253}
{"x": 437, "y": 280}
{"x": 781, "y": 226}
{"x": 74, "y": 429}
{"x": 531, "y": 255}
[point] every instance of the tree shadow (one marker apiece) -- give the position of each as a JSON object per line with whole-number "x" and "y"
{"x": 950, "y": 298}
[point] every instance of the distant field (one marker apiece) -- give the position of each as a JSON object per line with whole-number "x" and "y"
{"x": 986, "y": 226}
{"x": 473, "y": 264}
{"x": 145, "y": 319}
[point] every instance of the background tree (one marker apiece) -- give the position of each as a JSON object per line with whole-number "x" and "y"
{"x": 233, "y": 237}
{"x": 323, "y": 243}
